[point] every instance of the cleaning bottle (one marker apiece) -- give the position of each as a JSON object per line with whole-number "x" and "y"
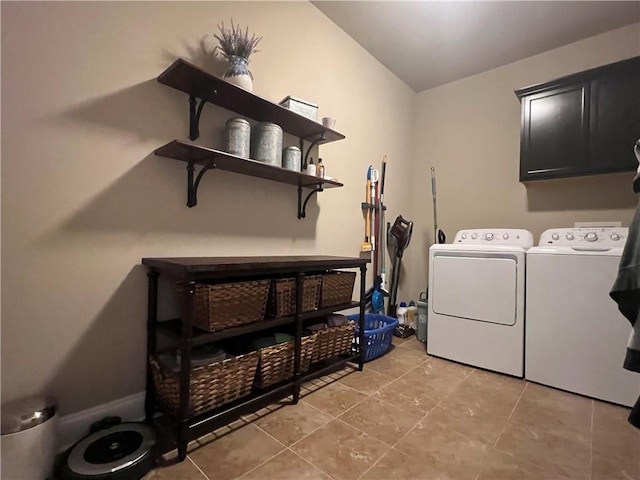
{"x": 401, "y": 313}
{"x": 412, "y": 315}
{"x": 311, "y": 168}
{"x": 320, "y": 169}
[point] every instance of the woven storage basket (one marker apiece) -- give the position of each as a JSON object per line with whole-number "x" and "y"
{"x": 209, "y": 386}
{"x": 337, "y": 288}
{"x": 282, "y": 296}
{"x": 228, "y": 305}
{"x": 276, "y": 362}
{"x": 333, "y": 341}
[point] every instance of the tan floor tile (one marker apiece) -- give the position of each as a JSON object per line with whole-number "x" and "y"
{"x": 490, "y": 382}
{"x": 397, "y": 362}
{"x": 478, "y": 407}
{"x": 607, "y": 466}
{"x": 616, "y": 444}
{"x": 236, "y": 453}
{"x": 397, "y": 341}
{"x": 381, "y": 420}
{"x": 507, "y": 466}
{"x": 414, "y": 345}
{"x": 340, "y": 450}
{"x": 410, "y": 393}
{"x": 425, "y": 385}
{"x": 475, "y": 422}
{"x": 396, "y": 465}
{"x": 286, "y": 466}
{"x": 290, "y": 423}
{"x": 554, "y": 410}
{"x": 334, "y": 398}
{"x": 367, "y": 381}
{"x": 539, "y": 445}
{"x": 171, "y": 470}
{"x": 444, "y": 451}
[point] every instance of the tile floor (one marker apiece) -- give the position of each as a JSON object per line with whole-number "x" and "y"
{"x": 408, "y": 416}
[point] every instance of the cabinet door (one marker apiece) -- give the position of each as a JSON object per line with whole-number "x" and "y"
{"x": 615, "y": 120}
{"x": 555, "y": 126}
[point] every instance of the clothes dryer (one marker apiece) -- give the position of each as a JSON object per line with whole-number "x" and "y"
{"x": 575, "y": 336}
{"x": 477, "y": 299}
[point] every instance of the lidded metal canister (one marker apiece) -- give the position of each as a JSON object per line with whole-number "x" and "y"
{"x": 292, "y": 158}
{"x": 266, "y": 143}
{"x": 238, "y": 137}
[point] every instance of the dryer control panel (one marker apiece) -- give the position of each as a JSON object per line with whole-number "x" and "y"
{"x": 495, "y": 236}
{"x": 586, "y": 238}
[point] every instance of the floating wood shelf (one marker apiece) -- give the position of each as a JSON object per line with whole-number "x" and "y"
{"x": 194, "y": 81}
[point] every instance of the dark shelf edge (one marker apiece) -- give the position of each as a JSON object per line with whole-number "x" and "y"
{"x": 328, "y": 310}
{"x": 171, "y": 328}
{"x": 201, "y": 337}
{"x": 328, "y": 366}
{"x": 185, "y": 152}
{"x": 193, "y": 80}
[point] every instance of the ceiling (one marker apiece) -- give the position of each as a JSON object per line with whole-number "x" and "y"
{"x": 430, "y": 43}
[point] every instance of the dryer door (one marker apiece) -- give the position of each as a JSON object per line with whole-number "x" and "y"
{"x": 475, "y": 288}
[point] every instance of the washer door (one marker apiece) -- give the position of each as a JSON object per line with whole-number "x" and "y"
{"x": 475, "y": 288}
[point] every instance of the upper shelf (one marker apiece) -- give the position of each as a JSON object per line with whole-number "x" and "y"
{"x": 190, "y": 79}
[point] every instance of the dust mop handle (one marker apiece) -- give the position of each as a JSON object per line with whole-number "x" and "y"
{"x": 433, "y": 193}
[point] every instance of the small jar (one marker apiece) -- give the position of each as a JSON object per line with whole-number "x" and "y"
{"x": 266, "y": 144}
{"x": 238, "y": 137}
{"x": 291, "y": 158}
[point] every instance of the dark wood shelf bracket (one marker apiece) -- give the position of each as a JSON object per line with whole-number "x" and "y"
{"x": 192, "y": 186}
{"x": 302, "y": 207}
{"x": 195, "y": 110}
{"x": 305, "y": 155}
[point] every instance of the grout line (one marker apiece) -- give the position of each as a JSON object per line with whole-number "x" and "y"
{"x": 260, "y": 464}
{"x": 506, "y": 425}
{"x": 197, "y": 467}
{"x": 417, "y": 423}
{"x": 307, "y": 461}
{"x": 518, "y": 402}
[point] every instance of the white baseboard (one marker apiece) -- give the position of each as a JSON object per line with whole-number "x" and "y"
{"x": 75, "y": 426}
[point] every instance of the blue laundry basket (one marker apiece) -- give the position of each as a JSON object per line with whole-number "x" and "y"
{"x": 378, "y": 333}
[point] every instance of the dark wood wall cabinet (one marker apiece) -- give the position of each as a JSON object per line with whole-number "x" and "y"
{"x": 203, "y": 88}
{"x": 582, "y": 124}
{"x": 179, "y": 425}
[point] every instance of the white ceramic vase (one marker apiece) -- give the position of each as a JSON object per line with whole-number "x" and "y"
{"x": 238, "y": 73}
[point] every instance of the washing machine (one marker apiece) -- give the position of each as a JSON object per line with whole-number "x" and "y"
{"x": 476, "y": 299}
{"x": 575, "y": 336}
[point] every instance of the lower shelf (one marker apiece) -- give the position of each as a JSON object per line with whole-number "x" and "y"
{"x": 168, "y": 424}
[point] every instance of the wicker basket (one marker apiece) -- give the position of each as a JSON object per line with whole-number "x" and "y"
{"x": 228, "y": 305}
{"x": 209, "y": 386}
{"x": 337, "y": 288}
{"x": 276, "y": 362}
{"x": 282, "y": 296}
{"x": 333, "y": 341}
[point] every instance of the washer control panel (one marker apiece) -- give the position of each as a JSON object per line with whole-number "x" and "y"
{"x": 596, "y": 238}
{"x": 495, "y": 236}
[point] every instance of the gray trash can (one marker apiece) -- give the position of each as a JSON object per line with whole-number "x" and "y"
{"x": 423, "y": 312}
{"x": 28, "y": 438}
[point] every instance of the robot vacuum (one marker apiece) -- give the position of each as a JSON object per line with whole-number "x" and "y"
{"x": 121, "y": 452}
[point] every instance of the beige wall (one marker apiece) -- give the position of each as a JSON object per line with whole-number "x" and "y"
{"x": 84, "y": 198}
{"x": 469, "y": 131}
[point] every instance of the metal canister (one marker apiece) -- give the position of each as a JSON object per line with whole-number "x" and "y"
{"x": 292, "y": 158}
{"x": 238, "y": 137}
{"x": 266, "y": 143}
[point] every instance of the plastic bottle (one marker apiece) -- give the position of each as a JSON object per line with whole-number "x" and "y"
{"x": 311, "y": 168}
{"x": 412, "y": 315}
{"x": 320, "y": 168}
{"x": 401, "y": 313}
